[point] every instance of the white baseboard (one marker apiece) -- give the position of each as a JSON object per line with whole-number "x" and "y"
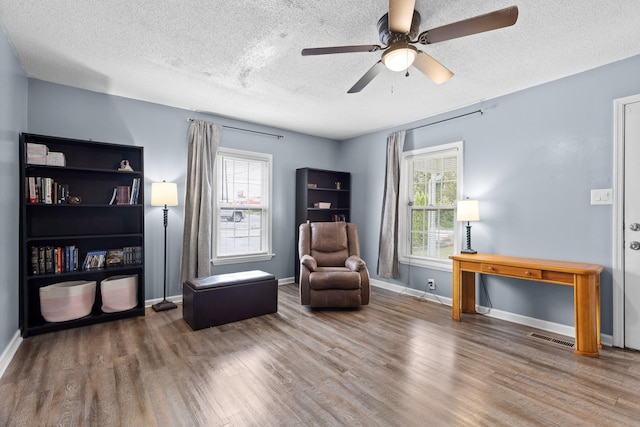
{"x": 9, "y": 352}
{"x": 556, "y": 328}
{"x": 286, "y": 281}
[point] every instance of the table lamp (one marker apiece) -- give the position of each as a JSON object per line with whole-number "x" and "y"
{"x": 164, "y": 194}
{"x": 468, "y": 211}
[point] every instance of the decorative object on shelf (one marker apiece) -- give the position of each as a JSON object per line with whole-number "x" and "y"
{"x": 468, "y": 211}
{"x": 125, "y": 166}
{"x": 322, "y": 205}
{"x": 312, "y": 186}
{"x": 74, "y": 200}
{"x": 164, "y": 194}
{"x": 338, "y": 184}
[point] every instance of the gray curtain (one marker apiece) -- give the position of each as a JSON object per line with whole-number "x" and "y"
{"x": 388, "y": 254}
{"x": 203, "y": 141}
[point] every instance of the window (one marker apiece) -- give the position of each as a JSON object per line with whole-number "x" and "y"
{"x": 430, "y": 184}
{"x": 242, "y": 207}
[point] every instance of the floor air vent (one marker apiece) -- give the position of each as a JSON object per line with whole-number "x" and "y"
{"x": 563, "y": 343}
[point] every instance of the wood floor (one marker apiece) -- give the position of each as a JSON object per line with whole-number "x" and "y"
{"x": 397, "y": 362}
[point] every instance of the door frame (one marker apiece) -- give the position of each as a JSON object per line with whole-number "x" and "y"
{"x": 618, "y": 217}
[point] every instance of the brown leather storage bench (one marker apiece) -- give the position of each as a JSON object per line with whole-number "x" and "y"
{"x": 224, "y": 298}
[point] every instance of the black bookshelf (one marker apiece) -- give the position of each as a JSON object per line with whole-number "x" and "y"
{"x": 91, "y": 173}
{"x": 315, "y": 186}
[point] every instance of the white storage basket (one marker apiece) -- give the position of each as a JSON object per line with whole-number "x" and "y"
{"x": 119, "y": 293}
{"x": 67, "y": 300}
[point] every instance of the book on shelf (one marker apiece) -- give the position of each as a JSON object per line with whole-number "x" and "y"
{"x": 135, "y": 187}
{"x": 128, "y": 255}
{"x": 45, "y": 190}
{"x": 114, "y": 196}
{"x": 132, "y": 255}
{"x": 94, "y": 259}
{"x": 124, "y": 194}
{"x": 53, "y": 259}
{"x": 115, "y": 258}
{"x": 31, "y": 186}
{"x": 35, "y": 263}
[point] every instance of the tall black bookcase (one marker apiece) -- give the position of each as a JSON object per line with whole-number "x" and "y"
{"x": 321, "y": 195}
{"x": 90, "y": 172}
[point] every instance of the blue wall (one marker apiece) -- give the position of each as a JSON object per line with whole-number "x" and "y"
{"x": 162, "y": 131}
{"x": 531, "y": 159}
{"x": 13, "y": 119}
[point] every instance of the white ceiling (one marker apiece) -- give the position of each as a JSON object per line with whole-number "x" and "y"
{"x": 241, "y": 59}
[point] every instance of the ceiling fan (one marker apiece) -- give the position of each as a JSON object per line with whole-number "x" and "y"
{"x": 397, "y": 32}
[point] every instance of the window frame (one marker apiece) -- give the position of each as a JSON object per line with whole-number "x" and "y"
{"x": 266, "y": 206}
{"x": 404, "y": 207}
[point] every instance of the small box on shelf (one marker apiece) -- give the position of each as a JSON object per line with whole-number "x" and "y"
{"x": 322, "y": 205}
{"x": 37, "y": 154}
{"x": 56, "y": 159}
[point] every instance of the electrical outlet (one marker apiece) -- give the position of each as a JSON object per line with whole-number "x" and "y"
{"x": 431, "y": 283}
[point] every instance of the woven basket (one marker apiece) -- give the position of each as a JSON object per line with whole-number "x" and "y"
{"x": 67, "y": 300}
{"x": 119, "y": 293}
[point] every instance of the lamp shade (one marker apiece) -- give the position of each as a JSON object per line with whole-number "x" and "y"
{"x": 164, "y": 193}
{"x": 468, "y": 210}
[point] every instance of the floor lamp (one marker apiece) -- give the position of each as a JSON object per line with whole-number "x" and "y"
{"x": 468, "y": 211}
{"x": 164, "y": 194}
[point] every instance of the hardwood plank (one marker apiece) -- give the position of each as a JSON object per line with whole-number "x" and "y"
{"x": 399, "y": 361}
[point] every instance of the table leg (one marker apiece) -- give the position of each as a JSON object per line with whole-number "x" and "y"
{"x": 586, "y": 293}
{"x": 455, "y": 292}
{"x": 468, "y": 297}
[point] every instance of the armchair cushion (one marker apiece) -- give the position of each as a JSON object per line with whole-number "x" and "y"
{"x": 329, "y": 245}
{"x": 309, "y": 262}
{"x": 334, "y": 278}
{"x": 354, "y": 263}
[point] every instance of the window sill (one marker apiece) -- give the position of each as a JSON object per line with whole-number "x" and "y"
{"x": 242, "y": 259}
{"x": 443, "y": 265}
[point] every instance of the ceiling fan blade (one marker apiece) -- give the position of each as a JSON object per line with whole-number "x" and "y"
{"x": 400, "y": 15}
{"x": 366, "y": 79}
{"x": 432, "y": 68}
{"x": 479, "y": 24}
{"x": 340, "y": 49}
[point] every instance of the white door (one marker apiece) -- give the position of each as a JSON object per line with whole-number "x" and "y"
{"x": 632, "y": 226}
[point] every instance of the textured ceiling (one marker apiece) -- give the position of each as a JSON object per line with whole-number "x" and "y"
{"x": 241, "y": 59}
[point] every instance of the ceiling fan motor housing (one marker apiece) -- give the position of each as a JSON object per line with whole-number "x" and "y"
{"x": 388, "y": 37}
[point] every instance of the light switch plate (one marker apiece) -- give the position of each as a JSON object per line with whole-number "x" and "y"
{"x": 602, "y": 196}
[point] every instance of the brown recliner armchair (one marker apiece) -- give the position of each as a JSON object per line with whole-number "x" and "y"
{"x": 332, "y": 274}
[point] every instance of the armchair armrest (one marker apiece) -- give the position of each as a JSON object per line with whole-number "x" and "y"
{"x": 309, "y": 262}
{"x": 354, "y": 263}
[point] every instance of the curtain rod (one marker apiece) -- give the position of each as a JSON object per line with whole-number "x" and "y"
{"x": 247, "y": 130}
{"x": 450, "y": 118}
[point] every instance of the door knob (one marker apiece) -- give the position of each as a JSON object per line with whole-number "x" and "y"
{"x": 634, "y": 245}
{"x": 634, "y": 226}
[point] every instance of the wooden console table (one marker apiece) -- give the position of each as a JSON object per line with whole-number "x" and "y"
{"x": 585, "y": 279}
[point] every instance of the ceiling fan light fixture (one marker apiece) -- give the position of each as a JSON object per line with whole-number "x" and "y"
{"x": 399, "y": 57}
